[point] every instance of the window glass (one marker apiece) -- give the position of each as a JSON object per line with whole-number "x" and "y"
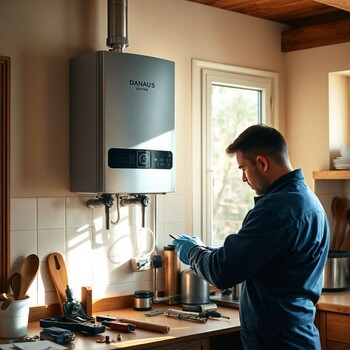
{"x": 226, "y": 100}
{"x": 233, "y": 110}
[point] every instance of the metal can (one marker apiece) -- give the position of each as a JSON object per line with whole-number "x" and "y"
{"x": 142, "y": 300}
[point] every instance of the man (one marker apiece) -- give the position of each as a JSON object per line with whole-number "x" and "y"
{"x": 278, "y": 254}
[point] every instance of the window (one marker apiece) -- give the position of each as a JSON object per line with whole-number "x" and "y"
{"x": 226, "y": 100}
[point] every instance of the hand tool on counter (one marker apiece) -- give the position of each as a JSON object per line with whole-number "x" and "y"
{"x": 74, "y": 317}
{"x": 119, "y": 326}
{"x": 155, "y": 312}
{"x": 213, "y": 314}
{"x": 159, "y": 328}
{"x": 57, "y": 335}
{"x": 200, "y": 308}
{"x": 73, "y": 324}
{"x": 186, "y": 315}
{"x": 200, "y": 317}
{"x": 72, "y": 307}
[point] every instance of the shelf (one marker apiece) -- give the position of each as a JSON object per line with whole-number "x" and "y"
{"x": 331, "y": 175}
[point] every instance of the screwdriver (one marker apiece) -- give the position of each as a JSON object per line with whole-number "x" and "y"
{"x": 213, "y": 314}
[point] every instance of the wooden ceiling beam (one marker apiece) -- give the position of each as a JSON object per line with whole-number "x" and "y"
{"x": 340, "y": 4}
{"x": 331, "y": 33}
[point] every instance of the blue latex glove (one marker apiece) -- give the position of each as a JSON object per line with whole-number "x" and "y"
{"x": 183, "y": 244}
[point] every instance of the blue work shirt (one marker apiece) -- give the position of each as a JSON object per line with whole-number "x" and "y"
{"x": 279, "y": 254}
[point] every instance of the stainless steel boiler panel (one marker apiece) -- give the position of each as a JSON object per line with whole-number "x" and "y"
{"x": 122, "y": 115}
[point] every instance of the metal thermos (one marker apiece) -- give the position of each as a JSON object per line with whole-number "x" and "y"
{"x": 172, "y": 275}
{"x": 194, "y": 290}
{"x": 236, "y": 291}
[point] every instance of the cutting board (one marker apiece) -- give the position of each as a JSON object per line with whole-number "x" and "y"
{"x": 58, "y": 273}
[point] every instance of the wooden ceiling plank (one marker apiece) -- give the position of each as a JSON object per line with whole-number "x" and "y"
{"x": 314, "y": 36}
{"x": 340, "y": 4}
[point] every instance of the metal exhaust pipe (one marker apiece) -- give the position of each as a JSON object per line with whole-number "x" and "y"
{"x": 117, "y": 38}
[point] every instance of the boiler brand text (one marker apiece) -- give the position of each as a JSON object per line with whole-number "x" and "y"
{"x": 142, "y": 84}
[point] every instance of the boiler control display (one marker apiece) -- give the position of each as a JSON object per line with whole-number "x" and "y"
{"x": 139, "y": 159}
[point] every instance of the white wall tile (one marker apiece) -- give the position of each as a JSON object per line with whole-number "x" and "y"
{"x": 78, "y": 214}
{"x": 23, "y": 214}
{"x": 128, "y": 288}
{"x": 94, "y": 256}
{"x": 23, "y": 243}
{"x": 51, "y": 213}
{"x": 79, "y": 258}
{"x": 106, "y": 291}
{"x": 50, "y": 241}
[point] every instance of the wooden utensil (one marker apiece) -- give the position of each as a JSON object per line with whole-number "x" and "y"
{"x": 58, "y": 272}
{"x": 7, "y": 302}
{"x": 339, "y": 209}
{"x": 346, "y": 241}
{"x": 15, "y": 282}
{"x": 29, "y": 270}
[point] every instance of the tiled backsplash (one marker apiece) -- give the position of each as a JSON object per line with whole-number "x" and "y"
{"x": 94, "y": 256}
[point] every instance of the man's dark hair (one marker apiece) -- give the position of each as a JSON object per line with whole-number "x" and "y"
{"x": 262, "y": 140}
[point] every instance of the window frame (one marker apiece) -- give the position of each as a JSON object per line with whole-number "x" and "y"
{"x": 203, "y": 75}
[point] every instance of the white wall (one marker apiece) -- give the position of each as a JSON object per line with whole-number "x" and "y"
{"x": 40, "y": 36}
{"x": 307, "y": 94}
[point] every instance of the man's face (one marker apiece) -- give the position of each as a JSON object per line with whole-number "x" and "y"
{"x": 253, "y": 174}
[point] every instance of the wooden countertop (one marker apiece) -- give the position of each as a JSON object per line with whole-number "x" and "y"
{"x": 180, "y": 330}
{"x": 335, "y": 301}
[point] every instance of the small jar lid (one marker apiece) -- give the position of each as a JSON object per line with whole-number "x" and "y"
{"x": 169, "y": 247}
{"x": 143, "y": 294}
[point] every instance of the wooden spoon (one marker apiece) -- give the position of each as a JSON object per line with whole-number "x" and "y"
{"x": 7, "y": 302}
{"x": 339, "y": 209}
{"x": 29, "y": 271}
{"x": 346, "y": 242}
{"x": 16, "y": 283}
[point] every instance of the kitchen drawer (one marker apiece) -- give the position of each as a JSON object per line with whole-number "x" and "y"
{"x": 195, "y": 344}
{"x": 338, "y": 326}
{"x": 337, "y": 346}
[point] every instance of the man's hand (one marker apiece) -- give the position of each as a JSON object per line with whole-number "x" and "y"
{"x": 183, "y": 244}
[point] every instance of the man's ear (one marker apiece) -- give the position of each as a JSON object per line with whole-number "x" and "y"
{"x": 262, "y": 163}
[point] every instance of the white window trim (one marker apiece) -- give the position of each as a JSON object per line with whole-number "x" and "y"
{"x": 203, "y": 71}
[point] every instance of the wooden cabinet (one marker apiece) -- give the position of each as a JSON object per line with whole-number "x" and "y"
{"x": 334, "y": 330}
{"x": 195, "y": 344}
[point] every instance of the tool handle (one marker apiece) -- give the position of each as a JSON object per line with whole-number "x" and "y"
{"x": 159, "y": 328}
{"x": 120, "y": 326}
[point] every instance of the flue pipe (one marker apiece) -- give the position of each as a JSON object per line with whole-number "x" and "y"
{"x": 117, "y": 38}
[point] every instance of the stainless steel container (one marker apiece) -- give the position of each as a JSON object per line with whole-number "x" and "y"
{"x": 194, "y": 290}
{"x": 336, "y": 272}
{"x": 236, "y": 291}
{"x": 142, "y": 300}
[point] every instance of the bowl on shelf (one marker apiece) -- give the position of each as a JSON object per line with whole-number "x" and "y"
{"x": 345, "y": 151}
